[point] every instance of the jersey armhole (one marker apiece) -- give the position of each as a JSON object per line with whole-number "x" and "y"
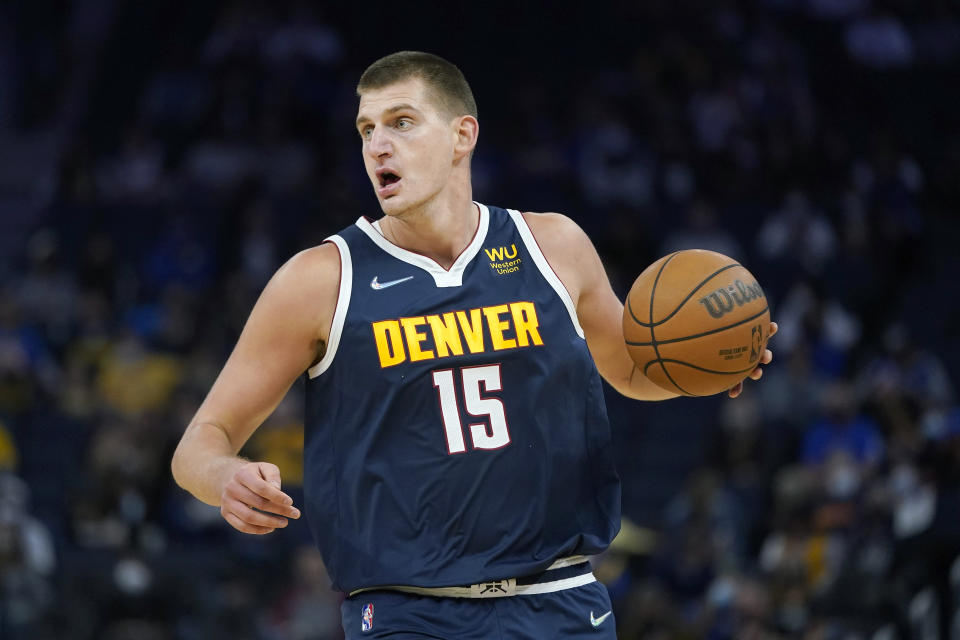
{"x": 545, "y": 269}
{"x": 340, "y": 313}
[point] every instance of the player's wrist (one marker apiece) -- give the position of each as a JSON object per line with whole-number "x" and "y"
{"x": 227, "y": 469}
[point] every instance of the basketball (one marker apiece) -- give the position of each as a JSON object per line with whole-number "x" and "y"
{"x": 696, "y": 322}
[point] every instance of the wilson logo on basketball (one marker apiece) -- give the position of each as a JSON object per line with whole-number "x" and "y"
{"x": 725, "y": 299}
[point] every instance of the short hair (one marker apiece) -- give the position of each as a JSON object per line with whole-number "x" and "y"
{"x": 443, "y": 79}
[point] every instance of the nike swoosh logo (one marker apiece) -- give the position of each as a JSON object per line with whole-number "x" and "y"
{"x": 376, "y": 286}
{"x": 599, "y": 621}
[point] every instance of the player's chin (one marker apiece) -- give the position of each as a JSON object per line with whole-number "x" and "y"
{"x": 391, "y": 204}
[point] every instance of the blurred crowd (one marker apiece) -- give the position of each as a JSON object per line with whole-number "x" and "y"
{"x": 158, "y": 161}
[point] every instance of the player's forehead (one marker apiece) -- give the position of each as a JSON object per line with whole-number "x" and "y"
{"x": 410, "y": 92}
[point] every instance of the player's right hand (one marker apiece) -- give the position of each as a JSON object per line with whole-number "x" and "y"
{"x": 252, "y": 501}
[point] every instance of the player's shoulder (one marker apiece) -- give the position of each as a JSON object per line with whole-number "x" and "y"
{"x": 323, "y": 255}
{"x": 566, "y": 247}
{"x": 555, "y": 231}
{"x": 314, "y": 269}
{"x": 303, "y": 292}
{"x": 548, "y": 218}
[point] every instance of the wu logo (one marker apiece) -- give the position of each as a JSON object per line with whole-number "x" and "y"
{"x": 501, "y": 253}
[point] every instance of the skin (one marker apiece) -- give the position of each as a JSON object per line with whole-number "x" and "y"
{"x": 430, "y": 211}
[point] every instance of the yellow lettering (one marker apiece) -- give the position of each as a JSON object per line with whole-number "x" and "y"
{"x": 495, "y": 254}
{"x": 497, "y": 326}
{"x": 445, "y": 335}
{"x": 414, "y": 338}
{"x": 456, "y": 332}
{"x": 472, "y": 330}
{"x": 525, "y": 322}
{"x": 389, "y": 343}
{"x": 506, "y": 253}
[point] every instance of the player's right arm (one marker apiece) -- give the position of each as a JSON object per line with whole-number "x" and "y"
{"x": 284, "y": 335}
{"x": 573, "y": 257}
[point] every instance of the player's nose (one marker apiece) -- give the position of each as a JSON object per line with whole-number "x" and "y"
{"x": 379, "y": 144}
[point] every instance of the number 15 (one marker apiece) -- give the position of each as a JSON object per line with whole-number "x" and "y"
{"x": 497, "y": 435}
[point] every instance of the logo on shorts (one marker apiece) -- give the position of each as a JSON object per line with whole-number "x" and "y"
{"x": 366, "y": 619}
{"x": 493, "y": 587}
{"x": 599, "y": 621}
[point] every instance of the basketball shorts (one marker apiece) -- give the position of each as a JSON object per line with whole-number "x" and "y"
{"x": 516, "y": 609}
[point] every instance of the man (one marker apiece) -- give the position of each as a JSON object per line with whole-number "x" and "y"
{"x": 457, "y": 459}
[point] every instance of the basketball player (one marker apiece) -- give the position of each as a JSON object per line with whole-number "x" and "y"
{"x": 458, "y": 464}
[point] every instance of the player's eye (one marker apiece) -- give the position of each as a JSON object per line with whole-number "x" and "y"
{"x": 366, "y": 131}
{"x": 403, "y": 123}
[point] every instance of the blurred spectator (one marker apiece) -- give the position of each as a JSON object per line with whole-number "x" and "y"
{"x": 47, "y": 293}
{"x": 8, "y": 450}
{"x": 26, "y": 362}
{"x": 797, "y": 233}
{"x": 808, "y": 319}
{"x": 27, "y": 562}
{"x": 304, "y": 36}
{"x": 135, "y": 172}
{"x": 842, "y": 437}
{"x": 614, "y": 168}
{"x": 790, "y": 392}
{"x": 904, "y": 369}
{"x": 879, "y": 41}
{"x": 702, "y": 231}
{"x": 134, "y": 379}
{"x": 715, "y": 115}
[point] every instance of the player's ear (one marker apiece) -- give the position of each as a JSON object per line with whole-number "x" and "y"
{"x": 466, "y": 129}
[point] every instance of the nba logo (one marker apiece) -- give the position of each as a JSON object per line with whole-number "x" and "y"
{"x": 366, "y": 619}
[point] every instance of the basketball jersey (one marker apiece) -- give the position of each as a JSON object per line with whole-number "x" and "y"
{"x": 455, "y": 427}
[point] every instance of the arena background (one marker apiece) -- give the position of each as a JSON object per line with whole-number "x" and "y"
{"x": 159, "y": 160}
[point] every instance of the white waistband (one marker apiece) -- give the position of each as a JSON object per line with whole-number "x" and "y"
{"x": 499, "y": 588}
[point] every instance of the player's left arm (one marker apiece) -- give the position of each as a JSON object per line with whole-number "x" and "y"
{"x": 576, "y": 262}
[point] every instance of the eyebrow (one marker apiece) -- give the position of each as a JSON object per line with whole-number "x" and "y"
{"x": 393, "y": 109}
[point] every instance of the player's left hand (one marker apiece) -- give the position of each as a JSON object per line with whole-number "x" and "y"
{"x": 757, "y": 373}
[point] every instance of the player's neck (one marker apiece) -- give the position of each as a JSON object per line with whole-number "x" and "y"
{"x": 438, "y": 229}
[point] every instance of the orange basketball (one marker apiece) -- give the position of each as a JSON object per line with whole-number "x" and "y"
{"x": 696, "y": 322}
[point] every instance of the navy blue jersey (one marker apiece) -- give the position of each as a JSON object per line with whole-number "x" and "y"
{"x": 455, "y": 427}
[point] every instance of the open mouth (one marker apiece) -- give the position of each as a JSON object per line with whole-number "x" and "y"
{"x": 388, "y": 178}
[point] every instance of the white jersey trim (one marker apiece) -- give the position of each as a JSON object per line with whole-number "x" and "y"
{"x": 548, "y": 273}
{"x": 442, "y": 277}
{"x": 340, "y": 314}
